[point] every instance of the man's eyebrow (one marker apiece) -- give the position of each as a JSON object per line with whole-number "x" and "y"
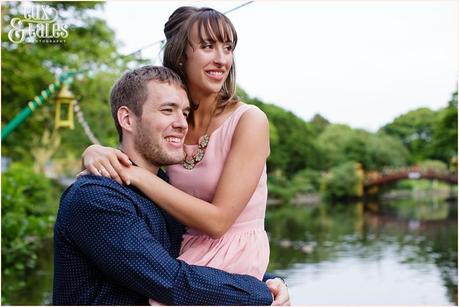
{"x": 169, "y": 104}
{"x": 174, "y": 105}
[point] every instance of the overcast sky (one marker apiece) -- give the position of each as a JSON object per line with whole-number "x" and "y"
{"x": 361, "y": 63}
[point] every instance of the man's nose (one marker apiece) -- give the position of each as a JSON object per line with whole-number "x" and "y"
{"x": 180, "y": 122}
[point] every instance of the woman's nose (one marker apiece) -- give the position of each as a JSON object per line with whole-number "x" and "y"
{"x": 221, "y": 56}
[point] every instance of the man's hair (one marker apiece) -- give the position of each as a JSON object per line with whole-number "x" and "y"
{"x": 131, "y": 89}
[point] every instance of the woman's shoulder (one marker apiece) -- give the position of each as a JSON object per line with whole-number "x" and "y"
{"x": 242, "y": 114}
{"x": 251, "y": 112}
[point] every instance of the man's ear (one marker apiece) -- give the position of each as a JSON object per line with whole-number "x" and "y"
{"x": 126, "y": 118}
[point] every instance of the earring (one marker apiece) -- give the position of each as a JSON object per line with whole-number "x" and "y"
{"x": 180, "y": 64}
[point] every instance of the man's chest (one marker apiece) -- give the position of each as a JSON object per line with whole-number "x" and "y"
{"x": 163, "y": 227}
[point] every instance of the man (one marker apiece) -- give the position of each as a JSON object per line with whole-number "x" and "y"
{"x": 113, "y": 246}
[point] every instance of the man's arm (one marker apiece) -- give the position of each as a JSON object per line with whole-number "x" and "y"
{"x": 110, "y": 233}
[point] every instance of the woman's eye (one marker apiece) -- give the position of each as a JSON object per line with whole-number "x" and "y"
{"x": 206, "y": 45}
{"x": 186, "y": 114}
{"x": 167, "y": 110}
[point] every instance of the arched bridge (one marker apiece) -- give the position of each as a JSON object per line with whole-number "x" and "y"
{"x": 388, "y": 176}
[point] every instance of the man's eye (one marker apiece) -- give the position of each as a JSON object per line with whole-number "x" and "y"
{"x": 186, "y": 114}
{"x": 167, "y": 110}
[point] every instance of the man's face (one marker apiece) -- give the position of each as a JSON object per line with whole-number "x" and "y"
{"x": 160, "y": 131}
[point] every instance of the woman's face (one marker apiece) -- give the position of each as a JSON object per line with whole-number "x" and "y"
{"x": 207, "y": 64}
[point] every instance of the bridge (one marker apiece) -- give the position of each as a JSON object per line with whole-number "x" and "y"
{"x": 371, "y": 181}
{"x": 392, "y": 175}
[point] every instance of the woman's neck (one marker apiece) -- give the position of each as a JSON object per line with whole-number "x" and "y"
{"x": 205, "y": 110}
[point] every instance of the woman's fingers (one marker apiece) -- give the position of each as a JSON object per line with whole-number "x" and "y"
{"x": 119, "y": 168}
{"x": 107, "y": 162}
{"x": 123, "y": 158}
{"x": 111, "y": 172}
{"x": 82, "y": 173}
{"x": 93, "y": 169}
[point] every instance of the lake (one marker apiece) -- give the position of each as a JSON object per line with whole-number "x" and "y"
{"x": 392, "y": 252}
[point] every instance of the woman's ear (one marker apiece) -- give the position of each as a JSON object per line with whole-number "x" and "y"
{"x": 126, "y": 118}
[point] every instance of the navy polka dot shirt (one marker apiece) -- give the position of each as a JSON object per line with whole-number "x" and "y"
{"x": 113, "y": 246}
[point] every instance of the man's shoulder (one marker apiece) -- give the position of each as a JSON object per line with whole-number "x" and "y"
{"x": 97, "y": 190}
{"x": 90, "y": 183}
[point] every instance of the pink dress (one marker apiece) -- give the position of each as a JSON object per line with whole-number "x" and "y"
{"x": 244, "y": 248}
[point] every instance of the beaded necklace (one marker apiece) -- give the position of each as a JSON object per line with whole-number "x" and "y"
{"x": 190, "y": 162}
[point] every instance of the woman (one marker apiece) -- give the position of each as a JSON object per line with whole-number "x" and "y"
{"x": 220, "y": 191}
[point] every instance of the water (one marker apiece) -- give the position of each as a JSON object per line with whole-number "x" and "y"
{"x": 398, "y": 252}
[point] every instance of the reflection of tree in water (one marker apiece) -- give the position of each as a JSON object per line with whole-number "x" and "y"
{"x": 422, "y": 234}
{"x": 430, "y": 239}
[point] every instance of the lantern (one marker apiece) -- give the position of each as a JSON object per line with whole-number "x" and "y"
{"x": 64, "y": 108}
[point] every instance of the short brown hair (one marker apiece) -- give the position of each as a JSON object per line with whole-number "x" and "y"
{"x": 211, "y": 23}
{"x": 131, "y": 89}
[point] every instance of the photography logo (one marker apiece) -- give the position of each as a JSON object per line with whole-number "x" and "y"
{"x": 37, "y": 24}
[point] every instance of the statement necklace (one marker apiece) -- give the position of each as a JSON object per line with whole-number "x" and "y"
{"x": 190, "y": 162}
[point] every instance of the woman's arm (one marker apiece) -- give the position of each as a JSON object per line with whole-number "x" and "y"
{"x": 105, "y": 161}
{"x": 239, "y": 179}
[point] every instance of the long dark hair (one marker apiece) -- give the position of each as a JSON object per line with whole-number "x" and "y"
{"x": 211, "y": 24}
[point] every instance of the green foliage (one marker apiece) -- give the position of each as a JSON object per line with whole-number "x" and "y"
{"x": 444, "y": 136}
{"x": 293, "y": 145}
{"x": 415, "y": 130}
{"x": 279, "y": 187}
{"x": 341, "y": 182}
{"x": 341, "y": 143}
{"x": 91, "y": 45}
{"x": 319, "y": 123}
{"x": 427, "y": 134}
{"x": 306, "y": 181}
{"x": 435, "y": 165}
{"x": 29, "y": 205}
{"x": 303, "y": 182}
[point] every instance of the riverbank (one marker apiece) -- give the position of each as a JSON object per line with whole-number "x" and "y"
{"x": 313, "y": 199}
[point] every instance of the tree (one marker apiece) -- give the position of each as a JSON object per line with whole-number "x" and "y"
{"x": 340, "y": 143}
{"x": 444, "y": 136}
{"x": 90, "y": 45}
{"x": 319, "y": 123}
{"x": 341, "y": 182}
{"x": 295, "y": 147}
{"x": 415, "y": 130}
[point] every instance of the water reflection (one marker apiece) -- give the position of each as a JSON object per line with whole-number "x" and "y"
{"x": 397, "y": 252}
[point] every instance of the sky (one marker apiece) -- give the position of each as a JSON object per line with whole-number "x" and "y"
{"x": 360, "y": 63}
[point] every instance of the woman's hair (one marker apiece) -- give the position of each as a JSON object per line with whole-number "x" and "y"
{"x": 211, "y": 24}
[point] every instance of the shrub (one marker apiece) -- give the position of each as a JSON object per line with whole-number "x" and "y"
{"x": 341, "y": 182}
{"x": 29, "y": 204}
{"x": 280, "y": 187}
{"x": 306, "y": 181}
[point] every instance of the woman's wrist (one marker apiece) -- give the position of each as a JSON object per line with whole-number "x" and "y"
{"x": 141, "y": 177}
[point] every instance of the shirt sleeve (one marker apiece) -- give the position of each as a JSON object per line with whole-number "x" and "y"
{"x": 269, "y": 276}
{"x": 107, "y": 229}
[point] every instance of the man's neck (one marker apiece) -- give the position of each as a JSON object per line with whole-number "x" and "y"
{"x": 138, "y": 159}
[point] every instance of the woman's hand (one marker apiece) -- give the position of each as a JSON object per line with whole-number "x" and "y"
{"x": 106, "y": 161}
{"x": 136, "y": 175}
{"x": 279, "y": 291}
